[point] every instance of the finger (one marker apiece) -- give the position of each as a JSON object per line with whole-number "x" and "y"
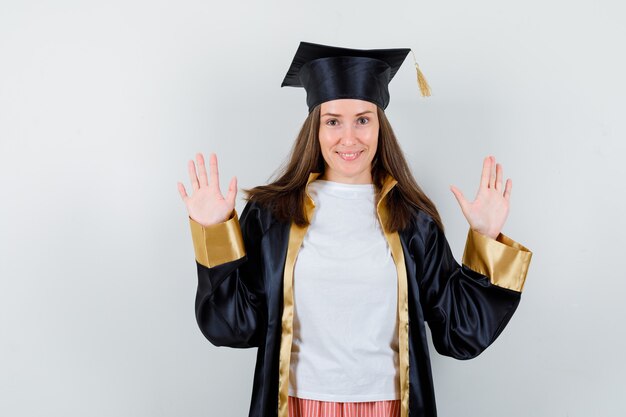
{"x": 460, "y": 198}
{"x": 182, "y": 192}
{"x": 484, "y": 178}
{"x": 232, "y": 191}
{"x": 204, "y": 181}
{"x": 192, "y": 175}
{"x": 507, "y": 189}
{"x": 492, "y": 176}
{"x": 499, "y": 177}
{"x": 214, "y": 172}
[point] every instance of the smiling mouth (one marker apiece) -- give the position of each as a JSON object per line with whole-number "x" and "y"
{"x": 349, "y": 156}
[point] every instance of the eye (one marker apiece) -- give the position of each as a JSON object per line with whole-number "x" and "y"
{"x": 331, "y": 122}
{"x": 363, "y": 120}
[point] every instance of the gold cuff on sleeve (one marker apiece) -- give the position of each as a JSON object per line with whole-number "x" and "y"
{"x": 503, "y": 260}
{"x": 218, "y": 243}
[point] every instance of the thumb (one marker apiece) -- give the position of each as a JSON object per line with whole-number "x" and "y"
{"x": 232, "y": 191}
{"x": 460, "y": 198}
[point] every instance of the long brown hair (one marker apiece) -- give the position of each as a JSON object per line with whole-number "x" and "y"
{"x": 285, "y": 196}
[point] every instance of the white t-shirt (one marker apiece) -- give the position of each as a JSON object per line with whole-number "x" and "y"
{"x": 345, "y": 329}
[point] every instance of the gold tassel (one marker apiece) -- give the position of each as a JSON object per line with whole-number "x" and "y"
{"x": 421, "y": 80}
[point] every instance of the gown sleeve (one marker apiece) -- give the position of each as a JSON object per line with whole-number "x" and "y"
{"x": 467, "y": 306}
{"x": 230, "y": 294}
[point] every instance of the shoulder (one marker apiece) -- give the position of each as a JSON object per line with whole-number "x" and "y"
{"x": 421, "y": 222}
{"x": 422, "y": 227}
{"x": 258, "y": 213}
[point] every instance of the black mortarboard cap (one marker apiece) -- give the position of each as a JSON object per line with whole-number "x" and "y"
{"x": 330, "y": 72}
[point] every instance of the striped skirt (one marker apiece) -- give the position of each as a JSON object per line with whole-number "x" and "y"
{"x": 301, "y": 407}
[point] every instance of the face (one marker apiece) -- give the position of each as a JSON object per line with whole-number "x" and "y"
{"x": 348, "y": 137}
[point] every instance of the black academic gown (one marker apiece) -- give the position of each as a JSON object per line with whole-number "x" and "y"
{"x": 245, "y": 296}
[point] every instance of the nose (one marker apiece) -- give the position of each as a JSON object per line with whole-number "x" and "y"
{"x": 348, "y": 135}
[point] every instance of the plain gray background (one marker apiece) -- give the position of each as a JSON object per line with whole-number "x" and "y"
{"x": 103, "y": 103}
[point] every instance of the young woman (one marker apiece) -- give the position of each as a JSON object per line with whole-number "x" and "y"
{"x": 336, "y": 266}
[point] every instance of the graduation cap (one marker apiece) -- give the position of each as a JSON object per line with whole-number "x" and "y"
{"x": 330, "y": 72}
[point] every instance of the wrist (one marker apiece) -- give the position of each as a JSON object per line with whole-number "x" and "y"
{"x": 212, "y": 222}
{"x": 493, "y": 234}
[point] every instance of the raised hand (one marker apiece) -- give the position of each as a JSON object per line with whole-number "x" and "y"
{"x": 207, "y": 205}
{"x": 489, "y": 210}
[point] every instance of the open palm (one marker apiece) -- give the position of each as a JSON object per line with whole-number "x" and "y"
{"x": 207, "y": 205}
{"x": 489, "y": 210}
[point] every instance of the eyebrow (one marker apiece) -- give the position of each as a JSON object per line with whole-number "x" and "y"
{"x": 338, "y": 115}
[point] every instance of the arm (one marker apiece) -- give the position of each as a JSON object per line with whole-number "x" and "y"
{"x": 230, "y": 297}
{"x": 467, "y": 306}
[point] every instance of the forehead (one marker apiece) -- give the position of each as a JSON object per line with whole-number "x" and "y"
{"x": 347, "y": 106}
